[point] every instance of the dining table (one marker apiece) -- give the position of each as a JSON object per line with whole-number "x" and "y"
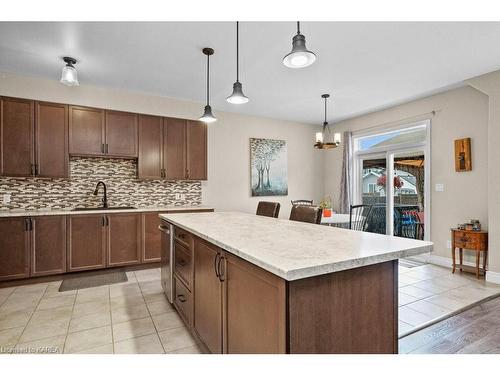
{"x": 336, "y": 220}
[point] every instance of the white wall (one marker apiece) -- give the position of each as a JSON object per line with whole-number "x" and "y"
{"x": 228, "y": 185}
{"x": 461, "y": 113}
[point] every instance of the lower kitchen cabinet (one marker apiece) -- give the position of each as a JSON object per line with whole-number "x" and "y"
{"x": 48, "y": 245}
{"x": 151, "y": 241}
{"x": 124, "y": 239}
{"x": 86, "y": 242}
{"x": 14, "y": 248}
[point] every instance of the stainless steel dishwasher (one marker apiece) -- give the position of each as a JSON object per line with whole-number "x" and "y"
{"x": 167, "y": 249}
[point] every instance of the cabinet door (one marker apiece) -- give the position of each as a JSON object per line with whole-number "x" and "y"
{"x": 121, "y": 134}
{"x": 86, "y": 131}
{"x": 151, "y": 237}
{"x": 48, "y": 245}
{"x": 86, "y": 242}
{"x": 174, "y": 149}
{"x": 150, "y": 164}
{"x": 14, "y": 248}
{"x": 207, "y": 296}
{"x": 254, "y": 308}
{"x": 16, "y": 137}
{"x": 124, "y": 239}
{"x": 51, "y": 140}
{"x": 196, "y": 150}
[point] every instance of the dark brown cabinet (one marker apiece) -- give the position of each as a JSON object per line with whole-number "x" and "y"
{"x": 48, "y": 245}
{"x": 14, "y": 248}
{"x": 150, "y": 164}
{"x": 124, "y": 239}
{"x": 196, "y": 150}
{"x": 174, "y": 152}
{"x": 86, "y": 131}
{"x": 16, "y": 137}
{"x": 86, "y": 242}
{"x": 151, "y": 241}
{"x": 121, "y": 134}
{"x": 51, "y": 140}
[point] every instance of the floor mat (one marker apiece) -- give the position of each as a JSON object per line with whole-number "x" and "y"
{"x": 91, "y": 281}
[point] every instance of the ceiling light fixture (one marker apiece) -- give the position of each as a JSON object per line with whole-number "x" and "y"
{"x": 69, "y": 76}
{"x": 325, "y": 140}
{"x": 237, "y": 97}
{"x": 208, "y": 116}
{"x": 300, "y": 57}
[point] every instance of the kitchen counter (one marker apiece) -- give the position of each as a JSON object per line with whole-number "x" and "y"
{"x": 294, "y": 250}
{"x": 67, "y": 211}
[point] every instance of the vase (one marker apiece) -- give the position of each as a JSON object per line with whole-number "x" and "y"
{"x": 327, "y": 212}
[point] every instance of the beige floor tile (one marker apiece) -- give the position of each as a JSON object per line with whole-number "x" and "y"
{"x": 167, "y": 320}
{"x": 418, "y": 275}
{"x": 53, "y": 290}
{"x": 404, "y": 280}
{"x": 433, "y": 286}
{"x": 470, "y": 292}
{"x": 189, "y": 350}
{"x": 133, "y": 328}
{"x": 148, "y": 275}
{"x": 405, "y": 299}
{"x": 159, "y": 307}
{"x": 19, "y": 303}
{"x": 153, "y": 297}
{"x": 9, "y": 337}
{"x": 15, "y": 319}
{"x": 125, "y": 301}
{"x": 93, "y": 307}
{"x": 151, "y": 287}
{"x": 54, "y": 302}
{"x": 32, "y": 289}
{"x": 122, "y": 290}
{"x": 149, "y": 344}
{"x": 84, "y": 322}
{"x": 51, "y": 345}
{"x": 176, "y": 338}
{"x": 91, "y": 338}
{"x": 415, "y": 292}
{"x": 412, "y": 317}
{"x": 448, "y": 302}
{"x": 431, "y": 310}
{"x": 105, "y": 349}
{"x": 36, "y": 331}
{"x": 404, "y": 327}
{"x": 62, "y": 313}
{"x": 124, "y": 314}
{"x": 99, "y": 293}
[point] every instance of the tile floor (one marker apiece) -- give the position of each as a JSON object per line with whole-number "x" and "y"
{"x": 131, "y": 317}
{"x": 134, "y": 317}
{"x": 428, "y": 292}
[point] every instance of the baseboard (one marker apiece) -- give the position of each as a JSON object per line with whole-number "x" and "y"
{"x": 493, "y": 277}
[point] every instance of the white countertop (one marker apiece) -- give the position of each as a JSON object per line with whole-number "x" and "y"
{"x": 294, "y": 250}
{"x": 58, "y": 211}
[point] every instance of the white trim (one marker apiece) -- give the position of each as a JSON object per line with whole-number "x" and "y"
{"x": 493, "y": 277}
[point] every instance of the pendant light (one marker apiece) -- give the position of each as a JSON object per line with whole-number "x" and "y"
{"x": 69, "y": 76}
{"x": 325, "y": 139}
{"x": 300, "y": 57}
{"x": 237, "y": 97}
{"x": 208, "y": 117}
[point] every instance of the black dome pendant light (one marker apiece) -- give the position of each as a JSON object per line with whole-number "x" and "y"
{"x": 325, "y": 140}
{"x": 208, "y": 117}
{"x": 237, "y": 97}
{"x": 300, "y": 57}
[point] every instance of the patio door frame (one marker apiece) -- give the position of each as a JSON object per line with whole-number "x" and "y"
{"x": 389, "y": 152}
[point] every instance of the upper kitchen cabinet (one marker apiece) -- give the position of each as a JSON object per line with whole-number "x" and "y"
{"x": 86, "y": 131}
{"x": 174, "y": 151}
{"x": 16, "y": 137}
{"x": 51, "y": 140}
{"x": 121, "y": 134}
{"x": 196, "y": 150}
{"x": 150, "y": 163}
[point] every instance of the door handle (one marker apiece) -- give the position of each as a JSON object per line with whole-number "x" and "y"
{"x": 163, "y": 229}
{"x": 181, "y": 298}
{"x": 216, "y": 265}
{"x": 222, "y": 275}
{"x": 103, "y": 221}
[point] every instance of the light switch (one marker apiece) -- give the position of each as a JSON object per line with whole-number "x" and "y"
{"x": 439, "y": 187}
{"x": 6, "y": 198}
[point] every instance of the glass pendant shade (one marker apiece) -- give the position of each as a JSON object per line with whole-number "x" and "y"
{"x": 325, "y": 139}
{"x": 300, "y": 57}
{"x": 237, "y": 97}
{"x": 69, "y": 75}
{"x": 208, "y": 116}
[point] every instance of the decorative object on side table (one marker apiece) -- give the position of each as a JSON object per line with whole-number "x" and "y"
{"x": 268, "y": 163}
{"x": 326, "y": 206}
{"x": 463, "y": 157}
{"x": 475, "y": 240}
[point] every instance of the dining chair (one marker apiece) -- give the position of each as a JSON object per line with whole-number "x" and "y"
{"x": 306, "y": 214}
{"x": 303, "y": 202}
{"x": 358, "y": 216}
{"x": 270, "y": 209}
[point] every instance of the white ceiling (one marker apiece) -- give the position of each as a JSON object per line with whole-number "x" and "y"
{"x": 364, "y": 66}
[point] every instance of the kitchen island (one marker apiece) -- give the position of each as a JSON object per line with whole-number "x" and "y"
{"x": 251, "y": 284}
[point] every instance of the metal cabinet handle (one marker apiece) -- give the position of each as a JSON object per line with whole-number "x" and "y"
{"x": 107, "y": 148}
{"x": 102, "y": 148}
{"x": 216, "y": 265}
{"x": 181, "y": 298}
{"x": 103, "y": 221}
{"x": 222, "y": 275}
{"x": 36, "y": 169}
{"x": 163, "y": 229}
{"x": 181, "y": 263}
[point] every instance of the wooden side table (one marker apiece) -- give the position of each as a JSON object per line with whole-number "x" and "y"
{"x": 469, "y": 240}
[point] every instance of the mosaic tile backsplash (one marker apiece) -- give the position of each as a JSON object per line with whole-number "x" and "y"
{"x": 124, "y": 189}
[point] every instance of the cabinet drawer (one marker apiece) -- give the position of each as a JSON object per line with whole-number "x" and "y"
{"x": 185, "y": 238}
{"x": 183, "y": 264}
{"x": 471, "y": 241}
{"x": 183, "y": 302}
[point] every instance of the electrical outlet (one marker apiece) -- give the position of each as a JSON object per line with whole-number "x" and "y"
{"x": 448, "y": 244}
{"x": 177, "y": 196}
{"x": 439, "y": 187}
{"x": 183, "y": 197}
{"x": 6, "y": 198}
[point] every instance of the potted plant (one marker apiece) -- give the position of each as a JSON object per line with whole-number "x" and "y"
{"x": 326, "y": 205}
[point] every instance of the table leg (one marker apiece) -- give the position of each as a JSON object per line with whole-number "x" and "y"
{"x": 478, "y": 256}
{"x": 485, "y": 255}
{"x": 461, "y": 251}
{"x": 453, "y": 257}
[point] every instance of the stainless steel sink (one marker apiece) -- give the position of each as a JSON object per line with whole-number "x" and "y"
{"x": 102, "y": 208}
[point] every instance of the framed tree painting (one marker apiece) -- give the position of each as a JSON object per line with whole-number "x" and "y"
{"x": 268, "y": 163}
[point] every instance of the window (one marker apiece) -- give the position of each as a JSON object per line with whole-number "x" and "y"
{"x": 389, "y": 139}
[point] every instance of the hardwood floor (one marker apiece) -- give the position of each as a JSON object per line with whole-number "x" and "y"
{"x": 474, "y": 331}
